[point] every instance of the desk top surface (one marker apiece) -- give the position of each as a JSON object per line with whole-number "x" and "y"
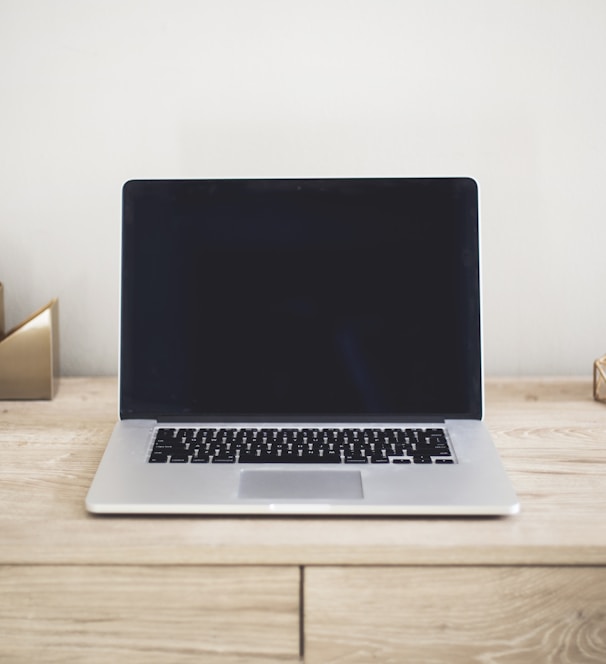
{"x": 550, "y": 434}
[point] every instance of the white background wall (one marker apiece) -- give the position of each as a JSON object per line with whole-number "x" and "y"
{"x": 513, "y": 92}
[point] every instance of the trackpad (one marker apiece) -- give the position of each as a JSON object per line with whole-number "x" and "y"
{"x": 299, "y": 484}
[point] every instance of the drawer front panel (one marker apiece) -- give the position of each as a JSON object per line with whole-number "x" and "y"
{"x": 149, "y": 614}
{"x": 504, "y": 615}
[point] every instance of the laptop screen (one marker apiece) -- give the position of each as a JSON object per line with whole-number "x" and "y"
{"x": 331, "y": 299}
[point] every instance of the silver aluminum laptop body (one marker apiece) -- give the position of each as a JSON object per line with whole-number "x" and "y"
{"x": 300, "y": 309}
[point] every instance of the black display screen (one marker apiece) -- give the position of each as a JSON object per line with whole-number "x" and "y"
{"x": 322, "y": 299}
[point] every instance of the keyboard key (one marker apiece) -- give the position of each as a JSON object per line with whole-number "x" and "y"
{"x": 224, "y": 458}
{"x": 355, "y": 459}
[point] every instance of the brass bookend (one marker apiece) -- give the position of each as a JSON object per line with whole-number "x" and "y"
{"x": 599, "y": 379}
{"x": 29, "y": 354}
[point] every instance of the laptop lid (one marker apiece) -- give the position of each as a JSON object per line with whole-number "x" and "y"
{"x": 301, "y": 300}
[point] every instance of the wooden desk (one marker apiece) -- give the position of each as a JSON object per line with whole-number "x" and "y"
{"x": 529, "y": 588}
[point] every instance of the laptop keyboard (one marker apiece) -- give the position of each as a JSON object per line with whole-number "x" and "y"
{"x": 301, "y": 446}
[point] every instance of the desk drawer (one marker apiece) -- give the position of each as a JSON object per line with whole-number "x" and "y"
{"x": 149, "y": 614}
{"x": 505, "y": 615}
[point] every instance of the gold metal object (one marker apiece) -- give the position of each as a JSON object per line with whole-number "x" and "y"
{"x": 29, "y": 354}
{"x": 599, "y": 379}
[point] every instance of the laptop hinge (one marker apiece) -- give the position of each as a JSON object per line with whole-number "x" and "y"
{"x": 252, "y": 419}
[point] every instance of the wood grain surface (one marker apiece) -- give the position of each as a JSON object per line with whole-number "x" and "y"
{"x": 550, "y": 434}
{"x": 526, "y": 588}
{"x": 430, "y": 615}
{"x": 141, "y": 614}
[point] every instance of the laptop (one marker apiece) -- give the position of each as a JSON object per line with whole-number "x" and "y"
{"x": 301, "y": 346}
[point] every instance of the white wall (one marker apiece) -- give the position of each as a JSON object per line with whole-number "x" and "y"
{"x": 512, "y": 92}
